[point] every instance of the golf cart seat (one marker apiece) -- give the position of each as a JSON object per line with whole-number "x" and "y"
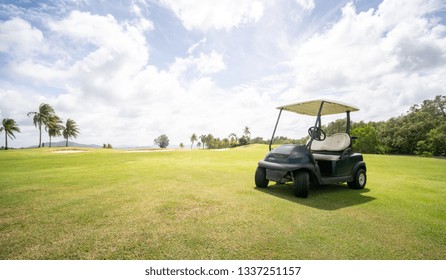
{"x": 332, "y": 147}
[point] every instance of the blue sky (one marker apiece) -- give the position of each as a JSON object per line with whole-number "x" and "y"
{"x": 128, "y": 71}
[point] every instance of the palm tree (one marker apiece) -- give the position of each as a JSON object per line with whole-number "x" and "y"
{"x": 54, "y": 127}
{"x": 9, "y": 126}
{"x": 209, "y": 139}
{"x": 193, "y": 138}
{"x": 233, "y": 141}
{"x": 70, "y": 130}
{"x": 246, "y": 132}
{"x": 42, "y": 117}
{"x": 203, "y": 140}
{"x": 233, "y": 136}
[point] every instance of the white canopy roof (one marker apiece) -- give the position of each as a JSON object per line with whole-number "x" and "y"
{"x": 312, "y": 107}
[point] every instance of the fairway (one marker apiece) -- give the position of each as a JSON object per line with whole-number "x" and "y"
{"x": 202, "y": 204}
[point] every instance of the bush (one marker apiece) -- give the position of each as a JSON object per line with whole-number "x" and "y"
{"x": 367, "y": 141}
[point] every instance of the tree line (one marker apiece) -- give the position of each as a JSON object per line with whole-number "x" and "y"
{"x": 44, "y": 117}
{"x": 209, "y": 141}
{"x": 420, "y": 131}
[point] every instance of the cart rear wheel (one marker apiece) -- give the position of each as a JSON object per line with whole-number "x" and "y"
{"x": 301, "y": 184}
{"x": 359, "y": 181}
{"x": 260, "y": 178}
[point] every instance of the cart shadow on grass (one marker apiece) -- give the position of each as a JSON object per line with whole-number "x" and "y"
{"x": 324, "y": 197}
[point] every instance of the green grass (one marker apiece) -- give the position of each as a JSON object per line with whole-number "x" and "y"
{"x": 108, "y": 204}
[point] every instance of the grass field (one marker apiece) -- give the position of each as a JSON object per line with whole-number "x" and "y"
{"x": 202, "y": 204}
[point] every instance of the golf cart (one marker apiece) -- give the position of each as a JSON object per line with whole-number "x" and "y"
{"x": 323, "y": 160}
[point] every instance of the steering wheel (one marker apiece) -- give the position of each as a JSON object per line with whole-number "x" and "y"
{"x": 317, "y": 133}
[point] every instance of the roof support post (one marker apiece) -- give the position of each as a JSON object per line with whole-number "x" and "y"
{"x": 274, "y": 132}
{"x": 317, "y": 124}
{"x": 347, "y": 129}
{"x": 318, "y": 119}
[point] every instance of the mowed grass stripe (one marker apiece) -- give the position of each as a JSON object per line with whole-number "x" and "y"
{"x": 202, "y": 204}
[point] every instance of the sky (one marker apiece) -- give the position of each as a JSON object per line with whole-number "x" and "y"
{"x": 129, "y": 71}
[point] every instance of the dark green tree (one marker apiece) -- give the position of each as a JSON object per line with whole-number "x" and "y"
{"x": 367, "y": 140}
{"x": 244, "y": 140}
{"x": 193, "y": 139}
{"x": 246, "y": 134}
{"x": 335, "y": 127}
{"x": 209, "y": 140}
{"x": 435, "y": 142}
{"x": 42, "y": 116}
{"x": 162, "y": 141}
{"x": 405, "y": 134}
{"x": 233, "y": 141}
{"x": 9, "y": 126}
{"x": 70, "y": 130}
{"x": 203, "y": 140}
{"x": 54, "y": 127}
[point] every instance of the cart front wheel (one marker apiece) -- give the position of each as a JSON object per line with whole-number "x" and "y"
{"x": 260, "y": 177}
{"x": 301, "y": 184}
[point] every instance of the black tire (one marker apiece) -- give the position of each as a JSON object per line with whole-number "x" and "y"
{"x": 301, "y": 184}
{"x": 359, "y": 181}
{"x": 260, "y": 178}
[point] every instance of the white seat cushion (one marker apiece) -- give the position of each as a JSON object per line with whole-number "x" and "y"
{"x": 335, "y": 143}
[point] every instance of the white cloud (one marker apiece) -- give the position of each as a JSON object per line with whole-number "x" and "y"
{"x": 106, "y": 32}
{"x": 45, "y": 73}
{"x": 135, "y": 9}
{"x": 306, "y": 4}
{"x": 19, "y": 37}
{"x": 398, "y": 11}
{"x": 196, "y": 45}
{"x": 212, "y": 63}
{"x": 205, "y": 15}
{"x": 369, "y": 58}
{"x": 205, "y": 64}
{"x": 144, "y": 24}
{"x": 115, "y": 53}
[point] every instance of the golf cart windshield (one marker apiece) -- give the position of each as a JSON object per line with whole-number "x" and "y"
{"x": 316, "y": 108}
